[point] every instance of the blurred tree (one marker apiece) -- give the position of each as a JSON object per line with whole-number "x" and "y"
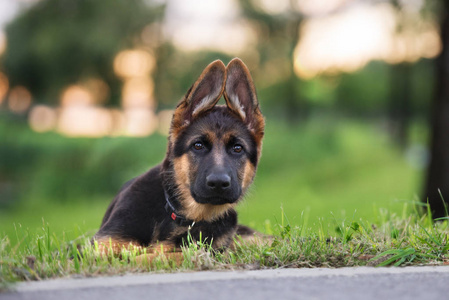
{"x": 60, "y": 42}
{"x": 400, "y": 102}
{"x": 404, "y": 89}
{"x": 278, "y": 35}
{"x": 400, "y": 98}
{"x": 438, "y": 172}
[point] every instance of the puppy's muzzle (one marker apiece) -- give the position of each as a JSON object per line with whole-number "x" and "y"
{"x": 218, "y": 182}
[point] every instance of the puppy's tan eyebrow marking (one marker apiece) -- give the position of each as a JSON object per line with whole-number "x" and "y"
{"x": 207, "y": 136}
{"x": 231, "y": 136}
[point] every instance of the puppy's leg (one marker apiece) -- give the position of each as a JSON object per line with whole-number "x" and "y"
{"x": 246, "y": 235}
{"x": 176, "y": 257}
{"x": 106, "y": 244}
{"x": 162, "y": 250}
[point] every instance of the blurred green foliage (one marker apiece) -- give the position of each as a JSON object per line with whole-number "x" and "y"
{"x": 60, "y": 169}
{"x": 56, "y": 43}
{"x": 327, "y": 165}
{"x": 326, "y": 162}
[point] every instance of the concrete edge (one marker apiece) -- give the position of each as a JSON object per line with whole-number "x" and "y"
{"x": 152, "y": 278}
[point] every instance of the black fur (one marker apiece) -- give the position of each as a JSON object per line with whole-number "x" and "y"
{"x": 215, "y": 145}
{"x": 139, "y": 208}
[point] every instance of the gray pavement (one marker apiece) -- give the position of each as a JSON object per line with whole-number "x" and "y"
{"x": 346, "y": 283}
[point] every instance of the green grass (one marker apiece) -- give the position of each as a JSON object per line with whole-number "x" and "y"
{"x": 341, "y": 168}
{"x": 398, "y": 240}
{"x": 321, "y": 168}
{"x": 333, "y": 192}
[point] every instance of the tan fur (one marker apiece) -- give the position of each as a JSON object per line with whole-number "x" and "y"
{"x": 190, "y": 208}
{"x": 177, "y": 123}
{"x": 197, "y": 211}
{"x": 116, "y": 245}
{"x": 229, "y": 135}
{"x": 207, "y": 212}
{"x": 176, "y": 257}
{"x": 209, "y": 136}
{"x": 182, "y": 170}
{"x": 236, "y": 71}
{"x": 105, "y": 244}
{"x": 203, "y": 96}
{"x": 254, "y": 239}
{"x": 206, "y": 102}
{"x": 164, "y": 250}
{"x": 248, "y": 175}
{"x": 236, "y": 66}
{"x": 163, "y": 247}
{"x": 258, "y": 131}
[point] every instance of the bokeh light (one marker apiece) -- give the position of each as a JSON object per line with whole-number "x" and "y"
{"x": 2, "y": 42}
{"x": 164, "y": 117}
{"x": 134, "y": 63}
{"x": 76, "y": 95}
{"x": 151, "y": 35}
{"x": 4, "y": 86}
{"x": 98, "y": 89}
{"x": 319, "y": 7}
{"x": 138, "y": 92}
{"x": 84, "y": 121}
{"x": 42, "y": 118}
{"x": 140, "y": 122}
{"x": 273, "y": 7}
{"x": 19, "y": 99}
{"x": 118, "y": 122}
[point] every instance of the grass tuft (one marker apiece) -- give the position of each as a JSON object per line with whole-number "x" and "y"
{"x": 408, "y": 239}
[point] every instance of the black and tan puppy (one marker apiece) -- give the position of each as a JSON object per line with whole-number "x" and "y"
{"x": 211, "y": 160}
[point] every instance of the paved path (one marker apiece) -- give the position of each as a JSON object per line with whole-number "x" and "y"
{"x": 347, "y": 283}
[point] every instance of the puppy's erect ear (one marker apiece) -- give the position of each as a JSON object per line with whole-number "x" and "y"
{"x": 202, "y": 96}
{"x": 241, "y": 98}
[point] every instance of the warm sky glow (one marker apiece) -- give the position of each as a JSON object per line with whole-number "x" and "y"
{"x": 335, "y": 36}
{"x": 347, "y": 41}
{"x": 204, "y": 24}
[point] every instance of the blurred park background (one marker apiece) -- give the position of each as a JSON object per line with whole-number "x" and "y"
{"x": 354, "y": 93}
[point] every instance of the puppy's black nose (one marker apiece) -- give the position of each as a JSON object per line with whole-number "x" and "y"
{"x": 218, "y": 181}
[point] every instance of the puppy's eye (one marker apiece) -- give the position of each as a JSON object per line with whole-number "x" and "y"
{"x": 198, "y": 146}
{"x": 237, "y": 148}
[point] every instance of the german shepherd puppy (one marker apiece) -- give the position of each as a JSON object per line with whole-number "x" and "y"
{"x": 211, "y": 160}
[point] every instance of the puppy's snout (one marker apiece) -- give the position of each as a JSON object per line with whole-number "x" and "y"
{"x": 218, "y": 181}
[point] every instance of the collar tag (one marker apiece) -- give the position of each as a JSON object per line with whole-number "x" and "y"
{"x": 179, "y": 219}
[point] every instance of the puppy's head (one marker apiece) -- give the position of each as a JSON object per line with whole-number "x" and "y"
{"x": 214, "y": 150}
